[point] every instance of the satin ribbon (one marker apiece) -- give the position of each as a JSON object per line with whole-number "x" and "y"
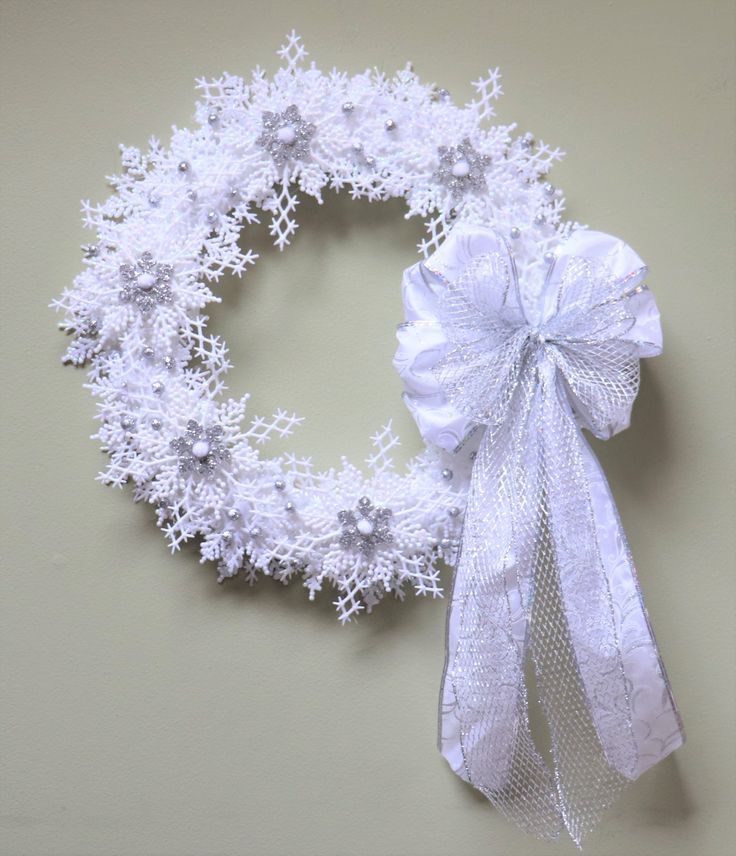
{"x": 545, "y": 595}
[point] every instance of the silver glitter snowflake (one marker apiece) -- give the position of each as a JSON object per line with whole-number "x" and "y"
{"x": 146, "y": 283}
{"x": 200, "y": 450}
{"x": 286, "y": 136}
{"x": 365, "y": 528}
{"x": 462, "y": 168}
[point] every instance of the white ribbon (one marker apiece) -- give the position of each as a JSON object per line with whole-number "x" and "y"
{"x": 545, "y": 574}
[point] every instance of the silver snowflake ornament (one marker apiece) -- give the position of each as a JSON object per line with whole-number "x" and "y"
{"x": 286, "y": 136}
{"x": 201, "y": 449}
{"x": 366, "y": 527}
{"x": 146, "y": 283}
{"x": 462, "y": 168}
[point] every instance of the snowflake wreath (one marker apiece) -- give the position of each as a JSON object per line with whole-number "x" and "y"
{"x": 171, "y": 230}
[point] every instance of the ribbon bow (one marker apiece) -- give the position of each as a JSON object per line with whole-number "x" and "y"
{"x": 545, "y": 576}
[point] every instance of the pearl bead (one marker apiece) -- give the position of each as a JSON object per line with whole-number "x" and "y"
{"x": 549, "y": 189}
{"x": 286, "y": 135}
{"x": 148, "y": 353}
{"x": 279, "y": 484}
{"x": 365, "y": 527}
{"x": 183, "y": 166}
{"x": 212, "y": 216}
{"x": 156, "y": 424}
{"x": 515, "y": 233}
{"x": 454, "y": 511}
{"x": 290, "y": 506}
{"x": 540, "y": 220}
{"x": 227, "y": 537}
{"x": 157, "y": 387}
{"x": 357, "y": 148}
{"x": 549, "y": 257}
{"x": 233, "y": 514}
{"x": 90, "y": 251}
{"x": 213, "y": 118}
{"x": 390, "y": 125}
{"x": 444, "y": 94}
{"x": 348, "y": 107}
{"x": 461, "y": 168}
{"x": 370, "y": 160}
{"x": 201, "y": 449}
{"x": 447, "y": 474}
{"x": 146, "y": 281}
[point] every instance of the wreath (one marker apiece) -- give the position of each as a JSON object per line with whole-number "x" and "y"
{"x": 521, "y": 328}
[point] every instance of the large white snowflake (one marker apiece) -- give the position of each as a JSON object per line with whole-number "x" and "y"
{"x": 171, "y": 229}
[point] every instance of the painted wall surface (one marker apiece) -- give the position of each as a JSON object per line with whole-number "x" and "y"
{"x": 147, "y": 711}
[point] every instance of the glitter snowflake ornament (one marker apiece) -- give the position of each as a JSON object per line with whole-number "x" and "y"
{"x": 179, "y": 220}
{"x": 365, "y": 528}
{"x": 146, "y": 283}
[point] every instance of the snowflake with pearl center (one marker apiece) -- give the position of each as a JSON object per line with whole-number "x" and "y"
{"x": 462, "y": 168}
{"x": 146, "y": 282}
{"x": 200, "y": 450}
{"x": 286, "y": 136}
{"x": 179, "y": 220}
{"x": 365, "y": 528}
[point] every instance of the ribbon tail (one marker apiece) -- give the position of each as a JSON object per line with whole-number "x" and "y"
{"x": 656, "y": 724}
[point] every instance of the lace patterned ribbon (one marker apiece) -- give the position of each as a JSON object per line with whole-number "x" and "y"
{"x": 545, "y": 583}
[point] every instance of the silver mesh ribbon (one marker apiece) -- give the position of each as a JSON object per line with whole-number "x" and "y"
{"x": 545, "y": 600}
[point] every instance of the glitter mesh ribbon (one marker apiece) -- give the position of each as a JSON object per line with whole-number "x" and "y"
{"x": 545, "y": 584}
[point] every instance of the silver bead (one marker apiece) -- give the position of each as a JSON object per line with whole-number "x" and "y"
{"x": 154, "y": 200}
{"x": 364, "y": 501}
{"x": 446, "y": 543}
{"x": 454, "y": 511}
{"x": 233, "y": 514}
{"x": 183, "y": 166}
{"x": 357, "y": 148}
{"x": 540, "y": 220}
{"x": 549, "y": 189}
{"x": 148, "y": 352}
{"x": 192, "y": 194}
{"x": 444, "y": 94}
{"x": 157, "y": 387}
{"x": 227, "y": 537}
{"x": 234, "y": 193}
{"x": 447, "y": 474}
{"x": 212, "y": 216}
{"x": 256, "y": 532}
{"x": 527, "y": 141}
{"x": 290, "y": 506}
{"x": 156, "y": 424}
{"x": 389, "y": 125}
{"x": 168, "y": 362}
{"x": 90, "y": 250}
{"x": 370, "y": 160}
{"x": 213, "y": 118}
{"x": 348, "y": 107}
{"x": 127, "y": 422}
{"x": 280, "y": 484}
{"x": 515, "y": 233}
{"x": 549, "y": 257}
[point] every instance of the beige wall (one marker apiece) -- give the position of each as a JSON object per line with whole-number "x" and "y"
{"x": 147, "y": 711}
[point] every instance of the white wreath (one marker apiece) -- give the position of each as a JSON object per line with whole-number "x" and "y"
{"x": 171, "y": 229}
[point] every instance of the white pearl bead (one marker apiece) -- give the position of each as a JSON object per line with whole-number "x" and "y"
{"x": 201, "y": 449}
{"x": 365, "y": 527}
{"x": 146, "y": 281}
{"x": 460, "y": 169}
{"x": 286, "y": 135}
